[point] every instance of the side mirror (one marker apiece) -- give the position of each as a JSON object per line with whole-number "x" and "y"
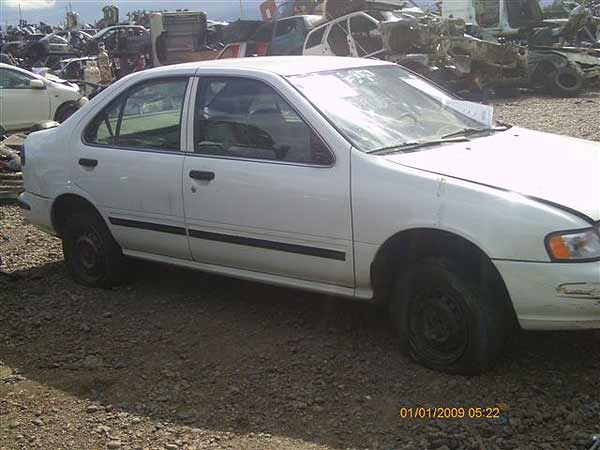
{"x": 37, "y": 84}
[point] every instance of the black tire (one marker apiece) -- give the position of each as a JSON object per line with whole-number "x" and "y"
{"x": 565, "y": 81}
{"x": 65, "y": 111}
{"x": 446, "y": 319}
{"x": 92, "y": 256}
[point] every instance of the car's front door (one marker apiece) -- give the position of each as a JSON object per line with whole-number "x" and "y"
{"x": 21, "y": 106}
{"x": 262, "y": 191}
{"x": 130, "y": 162}
{"x": 365, "y": 36}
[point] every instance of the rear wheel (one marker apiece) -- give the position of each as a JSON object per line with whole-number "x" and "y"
{"x": 92, "y": 256}
{"x": 448, "y": 320}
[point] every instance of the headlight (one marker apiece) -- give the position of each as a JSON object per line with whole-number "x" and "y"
{"x": 574, "y": 245}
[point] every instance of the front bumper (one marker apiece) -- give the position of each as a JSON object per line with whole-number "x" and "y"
{"x": 553, "y": 296}
{"x": 38, "y": 211}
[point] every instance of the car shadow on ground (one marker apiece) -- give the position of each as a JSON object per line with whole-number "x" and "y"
{"x": 217, "y": 353}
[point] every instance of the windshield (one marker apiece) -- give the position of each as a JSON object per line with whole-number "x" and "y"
{"x": 384, "y": 106}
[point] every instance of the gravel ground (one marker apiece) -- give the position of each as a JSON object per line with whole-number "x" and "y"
{"x": 577, "y": 117}
{"x": 186, "y": 360}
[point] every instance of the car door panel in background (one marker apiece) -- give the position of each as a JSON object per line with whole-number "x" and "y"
{"x": 21, "y": 106}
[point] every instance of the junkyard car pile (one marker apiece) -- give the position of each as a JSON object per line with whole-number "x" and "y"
{"x": 469, "y": 46}
{"x": 472, "y": 45}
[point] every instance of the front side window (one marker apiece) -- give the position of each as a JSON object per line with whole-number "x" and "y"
{"x": 316, "y": 37}
{"x": 11, "y": 79}
{"x": 148, "y": 116}
{"x": 244, "y": 118}
{"x": 365, "y": 34}
{"x": 338, "y": 38}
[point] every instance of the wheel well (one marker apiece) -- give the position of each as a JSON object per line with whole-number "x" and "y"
{"x": 407, "y": 247}
{"x": 67, "y": 205}
{"x": 541, "y": 71}
{"x": 62, "y": 107}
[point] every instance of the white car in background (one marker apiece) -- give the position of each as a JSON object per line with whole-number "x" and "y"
{"x": 345, "y": 176}
{"x": 27, "y": 98}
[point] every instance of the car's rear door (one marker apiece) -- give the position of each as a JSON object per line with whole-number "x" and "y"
{"x": 265, "y": 189}
{"x": 129, "y": 160}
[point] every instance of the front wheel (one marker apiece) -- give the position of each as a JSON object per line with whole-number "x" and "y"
{"x": 65, "y": 111}
{"x": 92, "y": 256}
{"x": 565, "y": 82}
{"x": 447, "y": 319}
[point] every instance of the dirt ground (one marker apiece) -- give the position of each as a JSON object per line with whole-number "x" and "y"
{"x": 185, "y": 360}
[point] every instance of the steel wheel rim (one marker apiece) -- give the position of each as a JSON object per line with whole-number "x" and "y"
{"x": 438, "y": 327}
{"x": 88, "y": 256}
{"x": 567, "y": 80}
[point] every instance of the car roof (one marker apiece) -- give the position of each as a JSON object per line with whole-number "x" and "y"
{"x": 280, "y": 65}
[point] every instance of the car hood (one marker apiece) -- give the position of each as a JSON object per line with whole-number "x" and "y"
{"x": 558, "y": 169}
{"x": 64, "y": 86}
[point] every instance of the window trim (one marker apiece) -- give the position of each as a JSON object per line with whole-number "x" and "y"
{"x": 121, "y": 96}
{"x": 192, "y": 126}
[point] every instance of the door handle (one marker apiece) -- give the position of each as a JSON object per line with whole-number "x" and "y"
{"x": 85, "y": 162}
{"x": 202, "y": 176}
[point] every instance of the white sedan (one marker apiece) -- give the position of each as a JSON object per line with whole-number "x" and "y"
{"x": 27, "y": 98}
{"x": 344, "y": 176}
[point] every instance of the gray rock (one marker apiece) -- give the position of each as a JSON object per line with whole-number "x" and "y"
{"x": 91, "y": 362}
{"x": 113, "y": 444}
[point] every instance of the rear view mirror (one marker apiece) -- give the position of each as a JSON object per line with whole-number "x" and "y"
{"x": 37, "y": 84}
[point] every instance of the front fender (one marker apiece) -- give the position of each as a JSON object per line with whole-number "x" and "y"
{"x": 388, "y": 198}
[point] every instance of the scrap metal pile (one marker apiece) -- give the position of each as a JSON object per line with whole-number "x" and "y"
{"x": 11, "y": 181}
{"x": 146, "y": 39}
{"x": 470, "y": 46}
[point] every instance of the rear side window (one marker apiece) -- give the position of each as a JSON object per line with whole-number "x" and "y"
{"x": 315, "y": 38}
{"x": 244, "y": 118}
{"x": 147, "y": 116}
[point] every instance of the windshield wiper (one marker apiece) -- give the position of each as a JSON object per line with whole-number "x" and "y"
{"x": 410, "y": 146}
{"x": 471, "y": 131}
